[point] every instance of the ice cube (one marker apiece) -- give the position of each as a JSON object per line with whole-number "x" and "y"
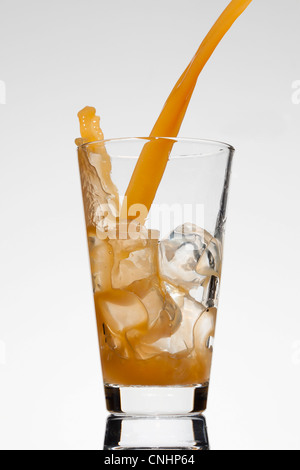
{"x": 181, "y": 339}
{"x": 120, "y": 311}
{"x": 147, "y": 345}
{"x": 181, "y": 343}
{"x": 173, "y": 331}
{"x": 116, "y": 342}
{"x": 197, "y": 293}
{"x": 210, "y": 262}
{"x": 180, "y": 256}
{"x": 190, "y": 233}
{"x": 164, "y": 317}
{"x": 101, "y": 257}
{"x": 141, "y": 349}
{"x": 204, "y": 333}
{"x": 139, "y": 265}
{"x": 149, "y": 293}
{"x": 177, "y": 294}
{"x": 134, "y": 260}
{"x": 157, "y": 301}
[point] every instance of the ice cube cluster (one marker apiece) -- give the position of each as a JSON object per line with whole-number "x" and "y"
{"x": 157, "y": 298}
{"x": 191, "y": 260}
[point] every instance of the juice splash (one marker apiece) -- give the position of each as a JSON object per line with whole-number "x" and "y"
{"x": 91, "y": 132}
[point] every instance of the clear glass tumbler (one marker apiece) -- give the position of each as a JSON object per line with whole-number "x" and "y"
{"x": 156, "y": 284}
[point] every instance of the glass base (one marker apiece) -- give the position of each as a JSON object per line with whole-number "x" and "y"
{"x": 156, "y": 432}
{"x": 156, "y": 400}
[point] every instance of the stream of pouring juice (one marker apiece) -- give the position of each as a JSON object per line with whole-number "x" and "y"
{"x": 136, "y": 313}
{"x": 154, "y": 158}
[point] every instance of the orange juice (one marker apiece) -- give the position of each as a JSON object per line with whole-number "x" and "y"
{"x": 151, "y": 331}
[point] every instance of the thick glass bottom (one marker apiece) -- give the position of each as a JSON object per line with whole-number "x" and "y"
{"x": 162, "y": 401}
{"x": 156, "y": 433}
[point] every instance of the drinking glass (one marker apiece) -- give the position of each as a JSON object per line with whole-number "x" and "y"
{"x": 156, "y": 283}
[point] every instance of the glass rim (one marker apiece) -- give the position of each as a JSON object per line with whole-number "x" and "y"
{"x": 221, "y": 145}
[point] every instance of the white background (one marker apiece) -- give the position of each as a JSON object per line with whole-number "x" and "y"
{"x": 123, "y": 58}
